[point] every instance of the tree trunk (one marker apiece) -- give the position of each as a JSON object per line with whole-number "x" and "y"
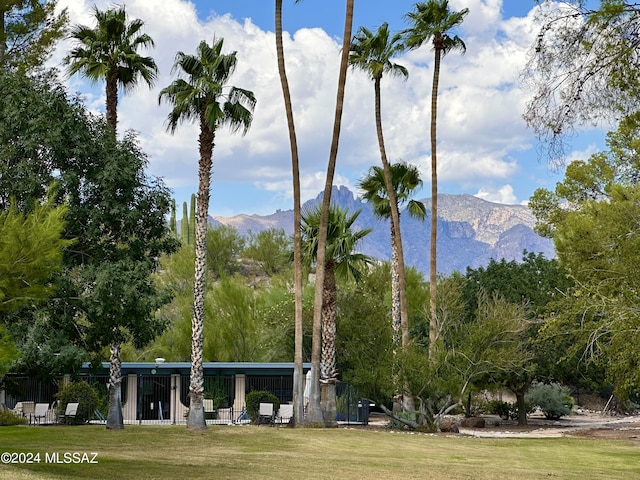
{"x": 112, "y": 100}
{"x": 196, "y": 419}
{"x": 522, "y": 407}
{"x": 298, "y": 373}
{"x": 328, "y": 371}
{"x": 396, "y": 317}
{"x": 114, "y": 417}
{"x": 314, "y": 414}
{"x": 396, "y": 238}
{"x": 433, "y": 322}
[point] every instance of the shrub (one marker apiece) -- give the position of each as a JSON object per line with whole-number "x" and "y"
{"x": 9, "y": 418}
{"x": 254, "y": 399}
{"x": 552, "y": 398}
{"x": 500, "y": 408}
{"x": 84, "y": 395}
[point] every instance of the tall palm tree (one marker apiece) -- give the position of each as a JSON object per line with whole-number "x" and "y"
{"x": 405, "y": 180}
{"x": 298, "y": 384}
{"x": 342, "y": 261}
{"x": 314, "y": 411}
{"x": 202, "y": 95}
{"x": 373, "y": 53}
{"x": 434, "y": 20}
{"x": 110, "y": 52}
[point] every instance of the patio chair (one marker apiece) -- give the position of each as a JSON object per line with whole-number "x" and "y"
{"x": 70, "y": 411}
{"x": 265, "y": 413}
{"x": 40, "y": 413}
{"x": 284, "y": 415}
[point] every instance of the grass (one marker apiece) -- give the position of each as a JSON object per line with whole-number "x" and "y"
{"x": 249, "y": 452}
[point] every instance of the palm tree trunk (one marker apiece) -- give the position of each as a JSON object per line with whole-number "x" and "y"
{"x": 112, "y": 100}
{"x": 314, "y": 414}
{"x": 395, "y": 219}
{"x": 114, "y": 417}
{"x": 433, "y": 322}
{"x": 396, "y": 316}
{"x": 396, "y": 238}
{"x": 298, "y": 374}
{"x": 196, "y": 419}
{"x": 328, "y": 370}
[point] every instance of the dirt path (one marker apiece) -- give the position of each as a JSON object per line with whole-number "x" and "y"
{"x": 584, "y": 425}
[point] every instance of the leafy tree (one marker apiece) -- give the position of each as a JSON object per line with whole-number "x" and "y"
{"x": 364, "y": 340}
{"x": 344, "y": 261}
{"x": 200, "y": 96}
{"x": 592, "y": 218}
{"x": 33, "y": 147}
{"x": 31, "y": 249}
{"x": 373, "y": 53}
{"x": 583, "y": 67}
{"x": 224, "y": 245}
{"x": 298, "y": 382}
{"x": 488, "y": 346}
{"x": 271, "y": 247}
{"x": 314, "y": 411}
{"x": 433, "y": 20}
{"x": 109, "y": 52}
{"x": 28, "y": 31}
{"x": 533, "y": 284}
{"x": 119, "y": 221}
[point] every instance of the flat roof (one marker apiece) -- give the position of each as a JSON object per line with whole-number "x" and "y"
{"x": 210, "y": 368}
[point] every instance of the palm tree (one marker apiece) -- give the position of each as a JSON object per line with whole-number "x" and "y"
{"x": 342, "y": 261}
{"x": 110, "y": 52}
{"x": 405, "y": 180}
{"x": 203, "y": 95}
{"x": 298, "y": 385}
{"x": 314, "y": 411}
{"x": 373, "y": 53}
{"x": 434, "y": 20}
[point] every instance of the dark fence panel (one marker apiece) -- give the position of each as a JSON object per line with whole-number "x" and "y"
{"x": 20, "y": 389}
{"x": 221, "y": 388}
{"x": 154, "y": 397}
{"x": 281, "y": 386}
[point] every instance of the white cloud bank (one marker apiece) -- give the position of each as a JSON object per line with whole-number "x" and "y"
{"x": 480, "y": 130}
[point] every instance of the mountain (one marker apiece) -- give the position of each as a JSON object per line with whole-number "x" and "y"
{"x": 471, "y": 231}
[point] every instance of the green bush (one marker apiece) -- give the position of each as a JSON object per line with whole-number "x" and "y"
{"x": 254, "y": 399}
{"x": 552, "y": 398}
{"x": 9, "y": 418}
{"x": 84, "y": 395}
{"x": 500, "y": 408}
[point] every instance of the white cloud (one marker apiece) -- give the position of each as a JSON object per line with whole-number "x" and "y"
{"x": 503, "y": 194}
{"x": 480, "y": 131}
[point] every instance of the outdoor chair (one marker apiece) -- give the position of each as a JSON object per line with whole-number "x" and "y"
{"x": 70, "y": 411}
{"x": 265, "y": 413}
{"x": 40, "y": 413}
{"x": 28, "y": 409}
{"x": 284, "y": 415}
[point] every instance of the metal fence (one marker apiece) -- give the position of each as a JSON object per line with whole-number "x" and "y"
{"x": 21, "y": 388}
{"x": 281, "y": 386}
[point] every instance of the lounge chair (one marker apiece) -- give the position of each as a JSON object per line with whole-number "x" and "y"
{"x": 40, "y": 413}
{"x": 265, "y": 413}
{"x": 70, "y": 411}
{"x": 284, "y": 415}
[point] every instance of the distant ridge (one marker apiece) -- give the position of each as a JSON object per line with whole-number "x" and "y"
{"x": 471, "y": 231}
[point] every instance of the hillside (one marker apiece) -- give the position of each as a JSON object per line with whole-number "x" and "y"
{"x": 470, "y": 231}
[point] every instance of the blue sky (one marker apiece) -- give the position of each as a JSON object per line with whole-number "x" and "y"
{"x": 484, "y": 147}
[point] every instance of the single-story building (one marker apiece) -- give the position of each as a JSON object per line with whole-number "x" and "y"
{"x": 160, "y": 391}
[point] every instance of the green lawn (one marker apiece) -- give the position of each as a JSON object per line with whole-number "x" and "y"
{"x": 249, "y": 452}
